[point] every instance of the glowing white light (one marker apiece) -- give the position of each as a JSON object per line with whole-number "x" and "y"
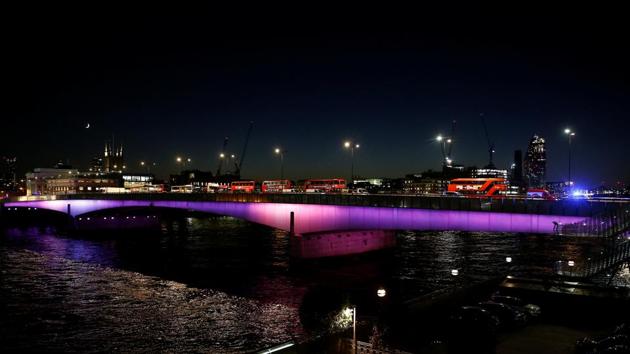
{"x": 571, "y": 263}
{"x": 454, "y": 272}
{"x": 439, "y": 138}
{"x": 381, "y": 292}
{"x": 508, "y": 259}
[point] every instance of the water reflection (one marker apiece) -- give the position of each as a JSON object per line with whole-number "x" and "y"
{"x": 221, "y": 284}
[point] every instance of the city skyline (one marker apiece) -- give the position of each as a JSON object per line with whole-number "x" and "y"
{"x": 179, "y": 91}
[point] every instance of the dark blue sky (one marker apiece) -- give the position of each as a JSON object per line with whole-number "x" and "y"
{"x": 176, "y": 85}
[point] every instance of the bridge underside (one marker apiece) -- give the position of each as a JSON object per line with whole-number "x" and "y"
{"x": 311, "y": 218}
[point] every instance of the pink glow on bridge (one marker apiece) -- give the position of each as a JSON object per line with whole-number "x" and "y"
{"x": 317, "y": 218}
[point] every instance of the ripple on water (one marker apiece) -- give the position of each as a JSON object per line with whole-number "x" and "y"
{"x": 56, "y": 304}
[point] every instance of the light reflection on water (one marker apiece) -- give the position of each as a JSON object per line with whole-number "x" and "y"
{"x": 220, "y": 284}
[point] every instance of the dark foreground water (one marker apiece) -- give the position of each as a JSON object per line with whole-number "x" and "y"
{"x": 217, "y": 284}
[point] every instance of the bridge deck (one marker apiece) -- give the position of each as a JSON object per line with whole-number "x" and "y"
{"x": 584, "y": 208}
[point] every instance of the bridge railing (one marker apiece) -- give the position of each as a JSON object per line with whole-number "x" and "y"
{"x": 608, "y": 223}
{"x": 608, "y": 259}
{"x": 512, "y": 205}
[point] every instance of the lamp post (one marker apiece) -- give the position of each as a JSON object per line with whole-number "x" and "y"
{"x": 351, "y": 145}
{"x": 280, "y": 152}
{"x": 354, "y": 329}
{"x": 570, "y": 134}
{"x": 443, "y": 140}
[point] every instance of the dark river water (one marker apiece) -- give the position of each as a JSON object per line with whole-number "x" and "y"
{"x": 218, "y": 284}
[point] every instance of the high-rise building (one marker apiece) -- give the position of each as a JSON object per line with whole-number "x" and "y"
{"x": 536, "y": 162}
{"x": 517, "y": 166}
{"x": 96, "y": 165}
{"x": 113, "y": 160}
{"x": 7, "y": 172}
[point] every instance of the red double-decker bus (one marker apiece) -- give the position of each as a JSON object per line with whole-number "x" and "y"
{"x": 478, "y": 187}
{"x": 243, "y": 186}
{"x": 276, "y": 186}
{"x": 331, "y": 185}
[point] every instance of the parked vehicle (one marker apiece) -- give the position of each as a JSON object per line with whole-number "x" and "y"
{"x": 508, "y": 315}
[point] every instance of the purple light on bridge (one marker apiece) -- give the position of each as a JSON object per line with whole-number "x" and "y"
{"x": 317, "y": 218}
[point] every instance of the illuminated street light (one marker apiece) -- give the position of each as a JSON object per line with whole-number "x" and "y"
{"x": 347, "y": 312}
{"x": 178, "y": 159}
{"x": 221, "y": 155}
{"x": 570, "y": 134}
{"x": 278, "y": 151}
{"x": 381, "y": 292}
{"x": 351, "y": 145}
{"x": 508, "y": 259}
{"x": 454, "y": 272}
{"x": 443, "y": 140}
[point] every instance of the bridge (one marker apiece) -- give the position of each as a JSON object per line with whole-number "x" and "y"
{"x": 342, "y": 224}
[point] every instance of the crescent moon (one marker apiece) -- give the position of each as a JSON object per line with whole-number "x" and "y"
{"x": 87, "y": 126}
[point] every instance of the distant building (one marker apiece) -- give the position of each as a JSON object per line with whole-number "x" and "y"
{"x": 536, "y": 162}
{"x": 97, "y": 165}
{"x": 489, "y": 173}
{"x": 517, "y": 167}
{"x": 40, "y": 181}
{"x": 8, "y": 179}
{"x": 199, "y": 181}
{"x": 428, "y": 182}
{"x": 113, "y": 161}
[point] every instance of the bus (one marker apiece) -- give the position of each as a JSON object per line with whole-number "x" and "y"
{"x": 331, "y": 185}
{"x": 188, "y": 188}
{"x": 243, "y": 186}
{"x": 478, "y": 187}
{"x": 276, "y": 186}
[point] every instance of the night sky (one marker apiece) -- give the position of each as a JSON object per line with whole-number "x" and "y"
{"x": 169, "y": 85}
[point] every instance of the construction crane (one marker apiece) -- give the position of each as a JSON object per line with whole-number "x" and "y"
{"x": 238, "y": 166}
{"x": 222, "y": 156}
{"x": 490, "y": 144}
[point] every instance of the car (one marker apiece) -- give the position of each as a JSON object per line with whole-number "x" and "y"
{"x": 508, "y": 315}
{"x": 531, "y": 309}
{"x": 472, "y": 330}
{"x": 477, "y": 317}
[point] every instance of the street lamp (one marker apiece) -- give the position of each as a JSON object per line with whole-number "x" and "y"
{"x": 280, "y": 152}
{"x": 353, "y": 311}
{"x": 351, "y": 145}
{"x": 443, "y": 140}
{"x": 570, "y": 134}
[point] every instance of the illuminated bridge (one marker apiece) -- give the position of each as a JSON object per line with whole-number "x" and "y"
{"x": 352, "y": 218}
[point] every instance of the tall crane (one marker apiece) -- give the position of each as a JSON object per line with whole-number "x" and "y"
{"x": 490, "y": 144}
{"x": 222, "y": 156}
{"x": 239, "y": 166}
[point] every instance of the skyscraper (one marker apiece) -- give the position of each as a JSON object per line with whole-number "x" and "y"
{"x": 7, "y": 173}
{"x": 536, "y": 162}
{"x": 517, "y": 166}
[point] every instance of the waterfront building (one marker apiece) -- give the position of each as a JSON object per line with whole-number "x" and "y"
{"x": 37, "y": 182}
{"x": 536, "y": 162}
